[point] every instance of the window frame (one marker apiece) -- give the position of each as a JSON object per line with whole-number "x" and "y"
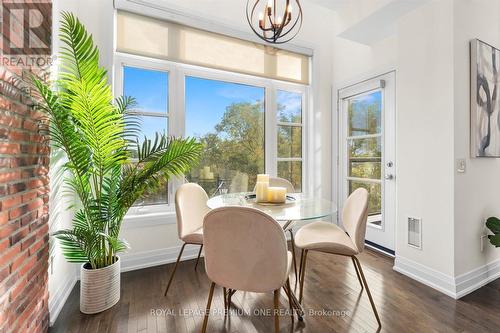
{"x": 303, "y": 91}
{"x": 177, "y": 74}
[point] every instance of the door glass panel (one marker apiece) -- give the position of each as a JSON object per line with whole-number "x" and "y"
{"x": 364, "y": 150}
{"x": 291, "y": 170}
{"x": 365, "y": 168}
{"x": 289, "y": 141}
{"x": 369, "y": 147}
{"x": 374, "y": 189}
{"x": 228, "y": 119}
{"x": 365, "y": 114}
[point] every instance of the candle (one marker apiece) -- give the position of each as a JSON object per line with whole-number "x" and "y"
{"x": 263, "y": 178}
{"x": 261, "y": 191}
{"x": 276, "y": 194}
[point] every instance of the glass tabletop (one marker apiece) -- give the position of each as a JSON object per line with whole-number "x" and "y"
{"x": 302, "y": 208}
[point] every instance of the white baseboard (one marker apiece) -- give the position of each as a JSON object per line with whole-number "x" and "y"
{"x": 139, "y": 260}
{"x": 57, "y": 301}
{"x": 475, "y": 279}
{"x": 455, "y": 287}
{"x": 428, "y": 276}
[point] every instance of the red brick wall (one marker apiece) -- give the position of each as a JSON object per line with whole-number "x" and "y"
{"x": 23, "y": 218}
{"x": 24, "y": 186}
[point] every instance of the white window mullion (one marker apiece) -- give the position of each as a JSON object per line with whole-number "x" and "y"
{"x": 305, "y": 141}
{"x": 176, "y": 120}
{"x": 271, "y": 131}
{"x": 289, "y": 159}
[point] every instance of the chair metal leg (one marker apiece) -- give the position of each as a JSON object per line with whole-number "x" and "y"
{"x": 300, "y": 266}
{"x": 209, "y": 303}
{"x": 276, "y": 311}
{"x": 303, "y": 272}
{"x": 357, "y": 273}
{"x": 224, "y": 291}
{"x": 288, "y": 290}
{"x": 175, "y": 268}
{"x": 229, "y": 295}
{"x": 367, "y": 290}
{"x": 292, "y": 240}
{"x": 198, "y": 259}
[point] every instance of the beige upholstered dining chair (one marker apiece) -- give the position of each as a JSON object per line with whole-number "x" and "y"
{"x": 329, "y": 238}
{"x": 245, "y": 249}
{"x": 191, "y": 208}
{"x": 281, "y": 182}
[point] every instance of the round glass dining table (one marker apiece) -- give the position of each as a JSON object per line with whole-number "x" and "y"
{"x": 299, "y": 207}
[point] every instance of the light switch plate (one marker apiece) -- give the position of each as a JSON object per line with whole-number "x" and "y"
{"x": 461, "y": 165}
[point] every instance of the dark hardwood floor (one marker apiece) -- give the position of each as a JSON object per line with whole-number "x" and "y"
{"x": 331, "y": 285}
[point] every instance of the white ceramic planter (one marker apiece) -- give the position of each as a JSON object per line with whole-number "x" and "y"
{"x": 99, "y": 288}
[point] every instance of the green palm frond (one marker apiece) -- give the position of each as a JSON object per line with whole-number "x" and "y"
{"x": 98, "y": 135}
{"x": 158, "y": 160}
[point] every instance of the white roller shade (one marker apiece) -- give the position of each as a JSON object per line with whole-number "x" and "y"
{"x": 147, "y": 36}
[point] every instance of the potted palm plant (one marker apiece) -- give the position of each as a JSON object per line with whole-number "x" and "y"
{"x": 108, "y": 168}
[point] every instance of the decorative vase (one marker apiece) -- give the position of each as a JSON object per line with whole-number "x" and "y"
{"x": 99, "y": 288}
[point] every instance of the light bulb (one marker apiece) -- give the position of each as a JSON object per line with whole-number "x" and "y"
{"x": 270, "y": 3}
{"x": 289, "y": 8}
{"x": 261, "y": 16}
{"x": 279, "y": 20}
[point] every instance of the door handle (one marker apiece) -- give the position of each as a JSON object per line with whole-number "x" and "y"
{"x": 389, "y": 176}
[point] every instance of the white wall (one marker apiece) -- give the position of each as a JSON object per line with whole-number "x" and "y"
{"x": 477, "y": 191}
{"x": 424, "y": 137}
{"x": 62, "y": 275}
{"x": 425, "y": 133}
{"x": 430, "y": 51}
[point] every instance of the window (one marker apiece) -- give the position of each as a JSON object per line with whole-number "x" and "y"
{"x": 228, "y": 118}
{"x": 150, "y": 90}
{"x": 289, "y": 120}
{"x": 243, "y": 101}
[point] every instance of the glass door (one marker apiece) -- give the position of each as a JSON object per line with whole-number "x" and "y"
{"x": 367, "y": 152}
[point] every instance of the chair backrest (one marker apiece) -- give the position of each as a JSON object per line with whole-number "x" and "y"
{"x": 190, "y": 207}
{"x": 281, "y": 182}
{"x": 355, "y": 215}
{"x": 239, "y": 183}
{"x": 245, "y": 249}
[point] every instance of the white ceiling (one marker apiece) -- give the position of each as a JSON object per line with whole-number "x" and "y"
{"x": 332, "y": 4}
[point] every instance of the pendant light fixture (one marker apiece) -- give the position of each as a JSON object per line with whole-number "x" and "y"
{"x": 275, "y": 21}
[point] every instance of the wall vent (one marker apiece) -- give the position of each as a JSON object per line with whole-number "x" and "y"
{"x": 415, "y": 232}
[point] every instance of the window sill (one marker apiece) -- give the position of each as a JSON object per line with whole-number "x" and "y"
{"x": 148, "y": 219}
